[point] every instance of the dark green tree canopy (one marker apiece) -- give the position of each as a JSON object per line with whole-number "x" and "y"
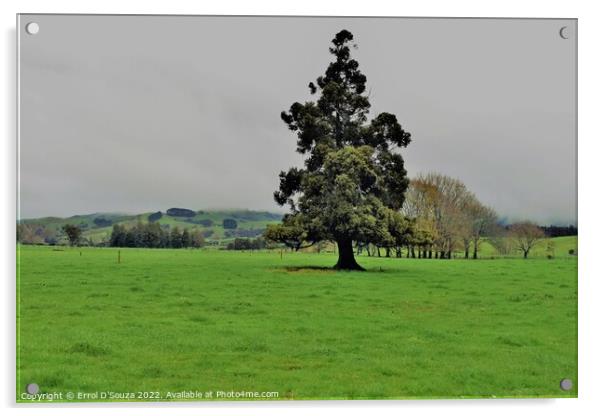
{"x": 352, "y": 185}
{"x": 73, "y": 233}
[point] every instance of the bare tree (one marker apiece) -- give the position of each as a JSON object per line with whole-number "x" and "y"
{"x": 525, "y": 236}
{"x": 447, "y": 215}
{"x": 448, "y": 199}
{"x": 482, "y": 220}
{"x": 420, "y": 206}
{"x": 500, "y": 240}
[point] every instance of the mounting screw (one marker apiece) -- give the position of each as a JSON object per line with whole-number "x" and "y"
{"x": 32, "y": 388}
{"x": 32, "y": 28}
{"x": 566, "y": 384}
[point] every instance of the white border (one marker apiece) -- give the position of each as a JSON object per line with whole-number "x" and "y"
{"x": 590, "y": 272}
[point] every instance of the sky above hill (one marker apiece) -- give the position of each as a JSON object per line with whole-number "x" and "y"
{"x": 135, "y": 114}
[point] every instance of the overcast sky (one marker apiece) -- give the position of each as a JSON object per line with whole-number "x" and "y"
{"x": 135, "y": 114}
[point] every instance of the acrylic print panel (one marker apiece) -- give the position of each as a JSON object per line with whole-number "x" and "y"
{"x": 291, "y": 208}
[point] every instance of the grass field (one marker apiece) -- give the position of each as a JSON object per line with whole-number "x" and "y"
{"x": 209, "y": 320}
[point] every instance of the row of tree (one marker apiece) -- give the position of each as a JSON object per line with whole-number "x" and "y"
{"x": 438, "y": 227}
{"x": 247, "y": 244}
{"x": 440, "y": 216}
{"x": 446, "y": 217}
{"x": 152, "y": 235}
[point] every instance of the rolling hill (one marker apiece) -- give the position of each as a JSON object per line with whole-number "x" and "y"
{"x": 97, "y": 227}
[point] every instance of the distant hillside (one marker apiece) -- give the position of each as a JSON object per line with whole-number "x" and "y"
{"x": 97, "y": 227}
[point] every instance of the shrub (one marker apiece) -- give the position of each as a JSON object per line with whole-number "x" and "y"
{"x": 156, "y": 216}
{"x": 246, "y": 244}
{"x": 230, "y": 223}
{"x": 180, "y": 212}
{"x": 102, "y": 222}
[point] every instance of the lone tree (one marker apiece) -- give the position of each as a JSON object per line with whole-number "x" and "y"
{"x": 525, "y": 236}
{"x": 352, "y": 185}
{"x": 73, "y": 232}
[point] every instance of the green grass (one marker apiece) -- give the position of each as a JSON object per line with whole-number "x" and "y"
{"x": 207, "y": 320}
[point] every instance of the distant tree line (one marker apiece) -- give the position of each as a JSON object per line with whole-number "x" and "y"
{"x": 102, "y": 222}
{"x": 559, "y": 231}
{"x": 37, "y": 234}
{"x": 152, "y": 235}
{"x": 250, "y": 233}
{"x": 247, "y": 244}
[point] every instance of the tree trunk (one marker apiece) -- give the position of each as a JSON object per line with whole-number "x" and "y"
{"x": 474, "y": 252}
{"x": 525, "y": 254}
{"x": 346, "y": 257}
{"x": 388, "y": 252}
{"x": 430, "y": 254}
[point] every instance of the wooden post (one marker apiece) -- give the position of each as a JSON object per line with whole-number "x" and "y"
{"x": 118, "y": 256}
{"x": 280, "y": 254}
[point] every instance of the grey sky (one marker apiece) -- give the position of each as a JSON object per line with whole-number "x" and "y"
{"x": 133, "y": 114}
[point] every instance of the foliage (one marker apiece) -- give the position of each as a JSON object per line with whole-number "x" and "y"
{"x": 448, "y": 215}
{"x": 230, "y": 223}
{"x": 559, "y": 231}
{"x": 353, "y": 183}
{"x": 102, "y": 222}
{"x": 501, "y": 241}
{"x": 525, "y": 236}
{"x": 247, "y": 244}
{"x": 155, "y": 216}
{"x": 180, "y": 212}
{"x": 291, "y": 232}
{"x": 73, "y": 233}
{"x": 152, "y": 235}
{"x": 36, "y": 234}
{"x": 250, "y": 233}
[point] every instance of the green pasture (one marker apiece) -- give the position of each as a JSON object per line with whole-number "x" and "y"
{"x": 212, "y": 320}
